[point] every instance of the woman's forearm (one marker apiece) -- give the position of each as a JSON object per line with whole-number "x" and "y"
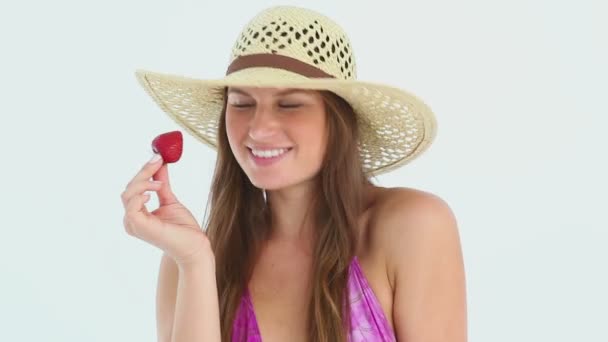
{"x": 197, "y": 316}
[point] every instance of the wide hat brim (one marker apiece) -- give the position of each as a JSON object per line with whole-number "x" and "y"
{"x": 395, "y": 126}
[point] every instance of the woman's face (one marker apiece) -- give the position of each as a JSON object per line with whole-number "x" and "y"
{"x": 277, "y": 135}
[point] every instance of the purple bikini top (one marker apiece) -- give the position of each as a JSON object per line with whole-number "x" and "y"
{"x": 368, "y": 322}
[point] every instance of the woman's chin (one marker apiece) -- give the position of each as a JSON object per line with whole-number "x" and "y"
{"x": 273, "y": 182}
{"x": 275, "y": 179}
{"x": 268, "y": 183}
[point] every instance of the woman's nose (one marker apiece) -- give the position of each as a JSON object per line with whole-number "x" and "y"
{"x": 263, "y": 123}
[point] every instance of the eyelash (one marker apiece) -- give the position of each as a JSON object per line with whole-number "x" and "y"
{"x": 250, "y": 105}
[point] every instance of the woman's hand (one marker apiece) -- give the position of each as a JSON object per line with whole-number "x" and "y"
{"x": 171, "y": 227}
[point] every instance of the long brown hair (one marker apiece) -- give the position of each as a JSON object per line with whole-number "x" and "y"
{"x": 240, "y": 221}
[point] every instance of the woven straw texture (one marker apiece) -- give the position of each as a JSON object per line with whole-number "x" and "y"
{"x": 395, "y": 125}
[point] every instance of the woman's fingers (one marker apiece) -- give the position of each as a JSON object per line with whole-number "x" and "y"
{"x": 147, "y": 170}
{"x": 141, "y": 224}
{"x": 138, "y": 188}
{"x": 136, "y": 214}
{"x": 165, "y": 194}
{"x": 157, "y": 171}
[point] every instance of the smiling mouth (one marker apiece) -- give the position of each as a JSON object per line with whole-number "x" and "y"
{"x": 269, "y": 153}
{"x": 267, "y": 161}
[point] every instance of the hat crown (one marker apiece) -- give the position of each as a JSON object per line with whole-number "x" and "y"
{"x": 298, "y": 33}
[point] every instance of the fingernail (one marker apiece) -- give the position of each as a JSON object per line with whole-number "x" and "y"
{"x": 155, "y": 158}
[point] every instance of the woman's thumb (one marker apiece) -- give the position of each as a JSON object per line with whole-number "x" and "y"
{"x": 165, "y": 194}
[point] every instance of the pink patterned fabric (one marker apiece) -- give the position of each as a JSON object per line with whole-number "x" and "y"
{"x": 368, "y": 322}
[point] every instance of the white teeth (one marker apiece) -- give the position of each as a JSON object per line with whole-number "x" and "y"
{"x": 268, "y": 153}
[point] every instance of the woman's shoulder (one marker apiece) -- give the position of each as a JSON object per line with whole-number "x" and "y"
{"x": 401, "y": 217}
{"x": 399, "y": 203}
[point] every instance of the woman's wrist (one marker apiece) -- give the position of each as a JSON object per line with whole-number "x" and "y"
{"x": 203, "y": 259}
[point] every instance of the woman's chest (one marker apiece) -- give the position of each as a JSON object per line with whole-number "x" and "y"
{"x": 281, "y": 299}
{"x": 280, "y": 294}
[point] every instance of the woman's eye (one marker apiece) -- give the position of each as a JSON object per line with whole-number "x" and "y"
{"x": 281, "y": 105}
{"x": 241, "y": 105}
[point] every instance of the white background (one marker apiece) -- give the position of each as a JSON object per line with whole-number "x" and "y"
{"x": 519, "y": 91}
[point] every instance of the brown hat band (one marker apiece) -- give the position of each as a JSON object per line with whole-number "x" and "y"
{"x": 276, "y": 61}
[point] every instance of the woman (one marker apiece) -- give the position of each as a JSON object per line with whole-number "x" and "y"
{"x": 299, "y": 244}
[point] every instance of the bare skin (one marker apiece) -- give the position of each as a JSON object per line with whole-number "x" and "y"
{"x": 279, "y": 283}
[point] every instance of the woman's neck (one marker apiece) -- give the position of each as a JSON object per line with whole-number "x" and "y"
{"x": 291, "y": 212}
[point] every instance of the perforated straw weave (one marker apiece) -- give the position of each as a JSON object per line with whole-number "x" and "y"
{"x": 292, "y": 47}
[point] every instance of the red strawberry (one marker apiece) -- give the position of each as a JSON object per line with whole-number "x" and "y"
{"x": 169, "y": 145}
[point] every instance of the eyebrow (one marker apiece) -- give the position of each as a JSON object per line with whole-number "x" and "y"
{"x": 284, "y": 92}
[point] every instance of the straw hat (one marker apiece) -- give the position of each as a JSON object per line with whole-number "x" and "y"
{"x": 292, "y": 47}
